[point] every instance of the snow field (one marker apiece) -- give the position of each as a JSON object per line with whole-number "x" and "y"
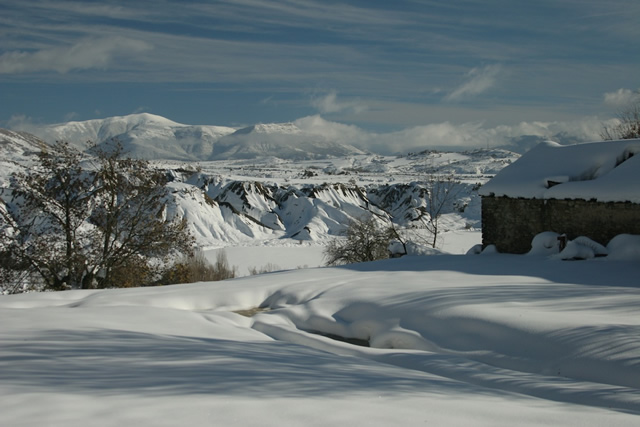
{"x": 291, "y": 254}
{"x": 456, "y": 340}
{"x": 453, "y": 340}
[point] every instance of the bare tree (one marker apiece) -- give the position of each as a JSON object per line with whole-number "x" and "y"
{"x": 129, "y": 214}
{"x": 628, "y": 125}
{"x": 78, "y": 227}
{"x": 441, "y": 192}
{"x": 365, "y": 240}
{"x": 46, "y": 208}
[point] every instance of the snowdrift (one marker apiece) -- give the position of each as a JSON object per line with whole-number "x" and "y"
{"x": 454, "y": 340}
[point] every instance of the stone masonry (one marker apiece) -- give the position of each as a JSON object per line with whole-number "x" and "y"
{"x": 511, "y": 223}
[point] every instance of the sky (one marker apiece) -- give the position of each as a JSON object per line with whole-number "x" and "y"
{"x": 401, "y": 66}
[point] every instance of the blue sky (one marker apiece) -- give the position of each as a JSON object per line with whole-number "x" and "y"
{"x": 380, "y": 65}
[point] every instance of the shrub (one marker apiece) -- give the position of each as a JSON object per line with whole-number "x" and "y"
{"x": 366, "y": 240}
{"x": 196, "y": 268}
{"x": 628, "y": 124}
{"x": 267, "y": 268}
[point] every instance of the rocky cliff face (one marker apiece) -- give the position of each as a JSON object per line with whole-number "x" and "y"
{"x": 311, "y": 211}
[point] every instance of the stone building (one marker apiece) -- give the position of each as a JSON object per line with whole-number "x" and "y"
{"x": 590, "y": 190}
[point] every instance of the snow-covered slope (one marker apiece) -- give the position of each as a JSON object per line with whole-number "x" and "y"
{"x": 143, "y": 135}
{"x": 17, "y": 149}
{"x": 282, "y": 140}
{"x": 18, "y": 146}
{"x": 311, "y": 212}
{"x": 213, "y": 222}
{"x": 314, "y": 200}
{"x": 150, "y": 137}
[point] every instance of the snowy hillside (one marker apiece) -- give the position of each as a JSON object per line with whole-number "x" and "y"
{"x": 143, "y": 135}
{"x": 314, "y": 200}
{"x": 17, "y": 149}
{"x": 18, "y": 146}
{"x": 284, "y": 141}
{"x": 154, "y": 137}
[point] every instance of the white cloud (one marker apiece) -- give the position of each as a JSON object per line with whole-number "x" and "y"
{"x": 329, "y": 103}
{"x": 21, "y": 122}
{"x": 622, "y": 98}
{"x": 347, "y": 134}
{"x": 87, "y": 54}
{"x": 141, "y": 109}
{"x": 70, "y": 116}
{"x": 24, "y": 123}
{"x": 470, "y": 135}
{"x": 479, "y": 80}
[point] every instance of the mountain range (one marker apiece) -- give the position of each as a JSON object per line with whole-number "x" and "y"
{"x": 153, "y": 137}
{"x": 260, "y": 199}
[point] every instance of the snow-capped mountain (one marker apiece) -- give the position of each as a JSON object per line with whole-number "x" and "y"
{"x": 154, "y": 137}
{"x": 143, "y": 135}
{"x": 282, "y": 140}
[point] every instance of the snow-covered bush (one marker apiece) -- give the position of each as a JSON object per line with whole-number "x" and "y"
{"x": 489, "y": 250}
{"x": 575, "y": 250}
{"x": 545, "y": 243}
{"x": 624, "y": 247}
{"x": 475, "y": 250}
{"x": 549, "y": 243}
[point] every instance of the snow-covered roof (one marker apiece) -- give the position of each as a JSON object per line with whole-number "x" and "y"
{"x": 605, "y": 171}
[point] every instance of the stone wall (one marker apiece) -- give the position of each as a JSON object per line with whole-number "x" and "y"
{"x": 511, "y": 224}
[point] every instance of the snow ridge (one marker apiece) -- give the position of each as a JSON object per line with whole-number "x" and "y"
{"x": 152, "y": 137}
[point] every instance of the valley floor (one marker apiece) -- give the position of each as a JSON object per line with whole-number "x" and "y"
{"x": 289, "y": 254}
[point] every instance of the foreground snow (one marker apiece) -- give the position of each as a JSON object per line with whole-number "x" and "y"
{"x": 455, "y": 340}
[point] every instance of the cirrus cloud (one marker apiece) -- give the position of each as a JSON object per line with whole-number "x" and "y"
{"x": 329, "y": 103}
{"x": 479, "y": 80}
{"x": 86, "y": 54}
{"x": 622, "y": 98}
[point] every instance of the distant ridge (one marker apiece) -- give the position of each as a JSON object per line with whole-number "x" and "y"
{"x": 19, "y": 144}
{"x": 282, "y": 140}
{"x": 143, "y": 135}
{"x": 17, "y": 149}
{"x": 154, "y": 137}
